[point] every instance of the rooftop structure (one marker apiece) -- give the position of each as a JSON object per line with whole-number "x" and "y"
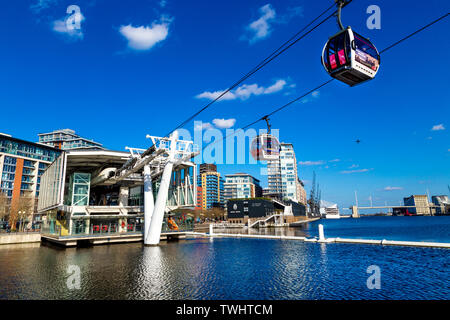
{"x": 66, "y": 139}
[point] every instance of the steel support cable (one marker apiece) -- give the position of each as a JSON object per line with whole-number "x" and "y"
{"x": 286, "y": 45}
{"x": 327, "y": 82}
{"x": 414, "y": 33}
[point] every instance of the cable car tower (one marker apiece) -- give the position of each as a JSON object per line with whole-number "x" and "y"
{"x": 162, "y": 161}
{"x": 265, "y": 146}
{"x": 348, "y": 56}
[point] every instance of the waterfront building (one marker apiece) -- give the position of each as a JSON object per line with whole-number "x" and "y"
{"x": 301, "y": 192}
{"x": 80, "y": 193}
{"x": 248, "y": 210}
{"x": 212, "y": 187}
{"x": 198, "y": 205}
{"x": 282, "y": 175}
{"x": 66, "y": 139}
{"x": 422, "y": 206}
{"x": 329, "y": 210}
{"x": 240, "y": 186}
{"x": 442, "y": 204}
{"x": 22, "y": 164}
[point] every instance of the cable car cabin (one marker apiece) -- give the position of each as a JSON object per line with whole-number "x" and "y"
{"x": 350, "y": 58}
{"x": 265, "y": 147}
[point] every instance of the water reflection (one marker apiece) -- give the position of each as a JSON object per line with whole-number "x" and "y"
{"x": 284, "y": 231}
{"x": 225, "y": 268}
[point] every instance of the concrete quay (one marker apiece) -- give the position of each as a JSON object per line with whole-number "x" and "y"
{"x": 14, "y": 238}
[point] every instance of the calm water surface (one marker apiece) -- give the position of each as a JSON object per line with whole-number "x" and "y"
{"x": 233, "y": 268}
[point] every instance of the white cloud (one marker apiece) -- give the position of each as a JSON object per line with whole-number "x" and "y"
{"x": 389, "y": 188}
{"x": 73, "y": 33}
{"x": 244, "y": 92}
{"x": 145, "y": 37}
{"x": 215, "y": 94}
{"x": 335, "y": 160}
{"x": 163, "y": 3}
{"x": 354, "y": 166}
{"x": 261, "y": 27}
{"x": 438, "y": 127}
{"x": 202, "y": 126}
{"x": 224, "y": 123}
{"x": 42, "y": 4}
{"x": 315, "y": 94}
{"x": 277, "y": 86}
{"x": 311, "y": 163}
{"x": 356, "y": 171}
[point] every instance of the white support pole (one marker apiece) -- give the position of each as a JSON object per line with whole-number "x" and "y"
{"x": 149, "y": 203}
{"x": 321, "y": 233}
{"x": 211, "y": 229}
{"x": 161, "y": 200}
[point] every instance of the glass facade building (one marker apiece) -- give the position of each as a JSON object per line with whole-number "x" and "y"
{"x": 22, "y": 164}
{"x": 211, "y": 187}
{"x": 241, "y": 186}
{"x": 282, "y": 175}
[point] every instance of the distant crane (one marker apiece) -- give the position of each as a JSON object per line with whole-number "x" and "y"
{"x": 315, "y": 196}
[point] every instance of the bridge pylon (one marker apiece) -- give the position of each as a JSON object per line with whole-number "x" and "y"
{"x": 355, "y": 212}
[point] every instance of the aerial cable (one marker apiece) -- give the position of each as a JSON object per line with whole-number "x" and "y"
{"x": 326, "y": 82}
{"x": 286, "y": 45}
{"x": 415, "y": 32}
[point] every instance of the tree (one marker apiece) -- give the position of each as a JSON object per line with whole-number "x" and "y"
{"x": 4, "y": 206}
{"x": 21, "y": 209}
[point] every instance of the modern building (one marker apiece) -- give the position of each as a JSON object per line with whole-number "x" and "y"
{"x": 212, "y": 187}
{"x": 66, "y": 139}
{"x": 442, "y": 204}
{"x": 247, "y": 210}
{"x": 420, "y": 202}
{"x": 301, "y": 192}
{"x": 282, "y": 175}
{"x": 241, "y": 186}
{"x": 81, "y": 194}
{"x": 198, "y": 205}
{"x": 22, "y": 164}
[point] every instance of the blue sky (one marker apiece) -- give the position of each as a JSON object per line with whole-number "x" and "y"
{"x": 138, "y": 67}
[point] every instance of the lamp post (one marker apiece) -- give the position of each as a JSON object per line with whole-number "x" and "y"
{"x": 20, "y": 219}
